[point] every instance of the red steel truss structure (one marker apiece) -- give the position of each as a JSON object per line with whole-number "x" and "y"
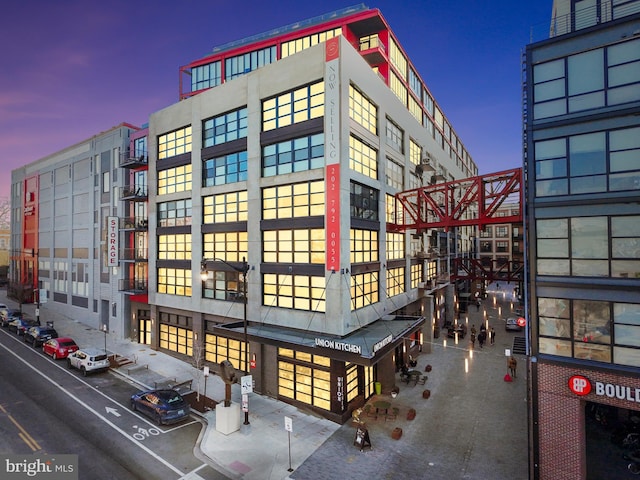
{"x": 473, "y": 201}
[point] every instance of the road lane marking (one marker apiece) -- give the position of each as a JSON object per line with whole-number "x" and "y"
{"x": 24, "y": 435}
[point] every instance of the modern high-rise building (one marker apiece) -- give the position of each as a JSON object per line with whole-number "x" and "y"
{"x": 582, "y": 163}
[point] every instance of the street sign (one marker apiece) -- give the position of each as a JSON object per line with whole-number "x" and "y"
{"x": 205, "y": 370}
{"x": 288, "y": 424}
{"x": 245, "y": 402}
{"x": 246, "y": 384}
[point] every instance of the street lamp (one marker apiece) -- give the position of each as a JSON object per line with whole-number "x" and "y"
{"x": 244, "y": 269}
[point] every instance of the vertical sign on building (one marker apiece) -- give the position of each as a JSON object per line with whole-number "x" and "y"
{"x": 112, "y": 241}
{"x": 332, "y": 154}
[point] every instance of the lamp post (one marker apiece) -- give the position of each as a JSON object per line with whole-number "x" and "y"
{"x": 243, "y": 270}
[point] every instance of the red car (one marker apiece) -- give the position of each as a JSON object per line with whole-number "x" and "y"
{"x": 59, "y": 347}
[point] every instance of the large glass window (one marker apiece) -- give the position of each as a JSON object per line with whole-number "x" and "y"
{"x": 224, "y": 128}
{"x": 394, "y": 136}
{"x": 365, "y": 289}
{"x": 363, "y": 158}
{"x": 299, "y": 292}
{"x": 227, "y": 246}
{"x": 416, "y": 275}
{"x": 415, "y": 152}
{"x": 364, "y": 245}
{"x": 299, "y": 44}
{"x": 174, "y": 247}
{"x": 293, "y": 201}
{"x": 174, "y": 214}
{"x": 174, "y": 281}
{"x": 176, "y": 339}
{"x": 225, "y": 207}
{"x": 294, "y": 246}
{"x": 304, "y": 378}
{"x": 223, "y": 285}
{"x": 242, "y": 64}
{"x": 174, "y": 143}
{"x": 295, "y": 155}
{"x": 363, "y": 110}
{"x": 395, "y": 281}
{"x": 228, "y": 169}
{"x": 397, "y": 58}
{"x": 364, "y": 201}
{"x": 395, "y": 246}
{"x": 294, "y": 106}
{"x": 219, "y": 349}
{"x": 206, "y": 76}
{"x": 394, "y": 174}
{"x": 173, "y": 180}
{"x": 397, "y": 87}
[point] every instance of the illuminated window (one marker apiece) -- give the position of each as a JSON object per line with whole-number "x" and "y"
{"x": 362, "y": 110}
{"x": 231, "y": 168}
{"x": 364, "y": 246}
{"x": 225, "y": 207}
{"x": 364, "y": 290}
{"x": 395, "y": 246}
{"x": 394, "y": 174}
{"x": 299, "y": 292}
{"x": 295, "y": 155}
{"x": 174, "y": 143}
{"x": 174, "y": 247}
{"x": 293, "y": 107}
{"x": 299, "y": 44}
{"x": 415, "y": 153}
{"x": 415, "y": 109}
{"x": 363, "y": 201}
{"x": 416, "y": 275}
{"x": 363, "y": 158}
{"x": 173, "y": 214}
{"x": 176, "y": 339}
{"x": 397, "y": 87}
{"x": 305, "y": 378}
{"x": 219, "y": 349}
{"x": 293, "y": 201}
{"x": 224, "y": 128}
{"x": 397, "y": 58}
{"x": 394, "y": 136}
{"x": 228, "y": 246}
{"x": 174, "y": 180}
{"x": 294, "y": 246}
{"x": 174, "y": 281}
{"x": 369, "y": 41}
{"x": 392, "y": 209}
{"x": 351, "y": 374}
{"x": 395, "y": 281}
{"x": 242, "y": 64}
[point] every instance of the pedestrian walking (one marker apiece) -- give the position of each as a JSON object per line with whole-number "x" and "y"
{"x": 473, "y": 339}
{"x": 482, "y": 336}
{"x": 473, "y": 330}
{"x": 512, "y": 365}
{"x": 478, "y": 305}
{"x": 492, "y": 336}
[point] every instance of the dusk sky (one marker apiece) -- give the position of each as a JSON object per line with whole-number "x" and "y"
{"x": 72, "y": 69}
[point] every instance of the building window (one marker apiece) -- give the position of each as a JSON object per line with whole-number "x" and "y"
{"x": 364, "y": 201}
{"x": 227, "y": 246}
{"x": 364, "y": 246}
{"x": 231, "y": 168}
{"x": 369, "y": 41}
{"x": 174, "y": 281}
{"x": 486, "y": 247}
{"x": 223, "y": 285}
{"x": 294, "y": 246}
{"x": 60, "y": 271}
{"x": 502, "y": 247}
{"x": 305, "y": 378}
{"x": 299, "y": 44}
{"x": 224, "y": 128}
{"x": 502, "y": 231}
{"x": 174, "y": 214}
{"x": 363, "y": 110}
{"x": 176, "y": 339}
{"x": 397, "y": 87}
{"x": 239, "y": 65}
{"x": 225, "y": 207}
{"x": 219, "y": 349}
{"x": 295, "y": 155}
{"x": 351, "y": 374}
{"x": 580, "y": 246}
{"x": 415, "y": 153}
{"x": 206, "y": 76}
{"x": 174, "y": 180}
{"x": 395, "y": 246}
{"x": 393, "y": 209}
{"x": 397, "y": 58}
{"x": 364, "y": 290}
{"x": 363, "y": 158}
{"x": 394, "y": 175}
{"x": 140, "y": 149}
{"x": 293, "y": 201}
{"x": 299, "y": 292}
{"x": 415, "y": 109}
{"x": 80, "y": 279}
{"x": 174, "y": 247}
{"x": 174, "y": 143}
{"x": 395, "y": 281}
{"x": 487, "y": 232}
{"x": 293, "y": 107}
{"x": 416, "y": 275}
{"x": 394, "y": 136}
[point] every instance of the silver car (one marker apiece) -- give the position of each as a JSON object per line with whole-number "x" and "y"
{"x": 512, "y": 325}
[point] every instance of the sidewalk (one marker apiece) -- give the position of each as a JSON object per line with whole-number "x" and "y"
{"x": 473, "y": 426}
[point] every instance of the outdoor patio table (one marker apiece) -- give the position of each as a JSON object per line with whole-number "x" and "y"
{"x": 381, "y": 407}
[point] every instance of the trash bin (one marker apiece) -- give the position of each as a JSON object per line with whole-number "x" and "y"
{"x": 378, "y": 387}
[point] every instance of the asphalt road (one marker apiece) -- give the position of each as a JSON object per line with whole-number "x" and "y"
{"x": 47, "y": 408}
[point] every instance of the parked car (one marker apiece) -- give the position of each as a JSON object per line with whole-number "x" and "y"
{"x": 7, "y": 315}
{"x": 36, "y": 336}
{"x": 164, "y": 405}
{"x": 512, "y": 325}
{"x": 22, "y": 324}
{"x": 60, "y": 347}
{"x": 3, "y": 307}
{"x": 88, "y": 360}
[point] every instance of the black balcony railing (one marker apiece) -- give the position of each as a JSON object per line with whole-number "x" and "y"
{"x": 134, "y": 254}
{"x": 133, "y": 285}
{"x": 134, "y": 223}
{"x": 133, "y": 160}
{"x": 137, "y": 193}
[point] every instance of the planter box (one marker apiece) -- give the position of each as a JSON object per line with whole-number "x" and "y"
{"x": 426, "y": 394}
{"x": 396, "y": 433}
{"x": 411, "y": 414}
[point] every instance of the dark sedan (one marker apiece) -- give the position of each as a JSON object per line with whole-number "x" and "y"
{"x": 36, "y": 336}
{"x": 8, "y": 315}
{"x": 164, "y": 406}
{"x": 22, "y": 324}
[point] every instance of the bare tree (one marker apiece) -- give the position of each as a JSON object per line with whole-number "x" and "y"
{"x": 198, "y": 362}
{"x": 5, "y": 213}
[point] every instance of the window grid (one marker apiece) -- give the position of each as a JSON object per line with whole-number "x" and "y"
{"x": 415, "y": 153}
{"x": 397, "y": 87}
{"x": 292, "y": 107}
{"x": 395, "y": 246}
{"x": 174, "y": 281}
{"x": 364, "y": 290}
{"x": 176, "y": 213}
{"x": 395, "y": 281}
{"x": 293, "y": 201}
{"x": 351, "y": 382}
{"x": 174, "y": 180}
{"x": 219, "y": 349}
{"x": 225, "y": 207}
{"x": 174, "y": 143}
{"x": 294, "y": 246}
{"x": 363, "y": 158}
{"x": 364, "y": 201}
{"x": 362, "y": 110}
{"x": 174, "y": 247}
{"x": 369, "y": 41}
{"x": 397, "y": 58}
{"x": 231, "y": 168}
{"x": 416, "y": 275}
{"x": 223, "y": 285}
{"x": 224, "y": 128}
{"x": 298, "y": 292}
{"x": 206, "y": 76}
{"x": 394, "y": 135}
{"x": 394, "y": 174}
{"x": 227, "y": 246}
{"x": 239, "y": 65}
{"x": 176, "y": 339}
{"x": 364, "y": 246}
{"x": 297, "y": 155}
{"x": 308, "y": 384}
{"x": 300, "y": 44}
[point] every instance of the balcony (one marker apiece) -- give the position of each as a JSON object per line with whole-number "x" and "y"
{"x": 134, "y": 254}
{"x": 136, "y": 193}
{"x": 133, "y": 285}
{"x": 140, "y": 224}
{"x": 131, "y": 160}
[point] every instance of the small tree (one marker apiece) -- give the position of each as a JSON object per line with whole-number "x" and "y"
{"x": 198, "y": 362}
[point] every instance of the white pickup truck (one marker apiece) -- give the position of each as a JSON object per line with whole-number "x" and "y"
{"x": 88, "y": 360}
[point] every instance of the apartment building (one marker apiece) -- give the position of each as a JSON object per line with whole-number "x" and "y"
{"x": 582, "y": 131}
